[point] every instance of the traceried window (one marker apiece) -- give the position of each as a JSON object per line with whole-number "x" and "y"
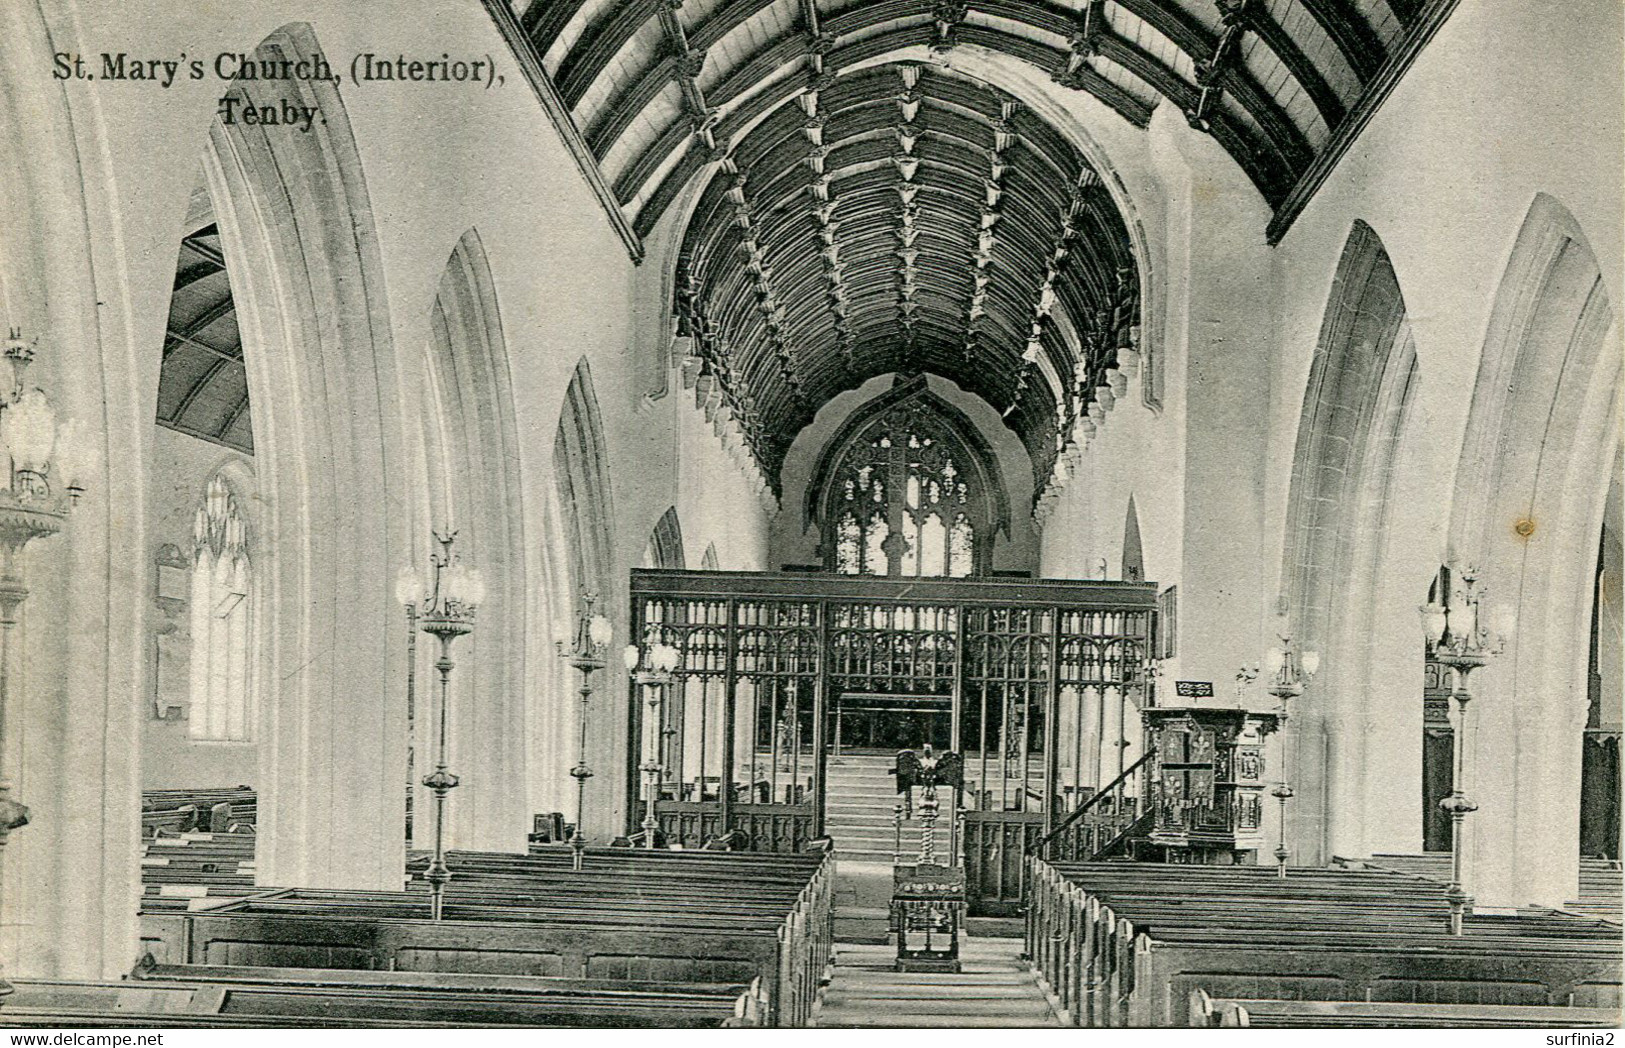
{"x": 905, "y": 501}
{"x": 222, "y": 635}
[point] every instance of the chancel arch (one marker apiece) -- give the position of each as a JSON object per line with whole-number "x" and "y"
{"x": 296, "y": 230}
{"x": 1540, "y": 453}
{"x": 1360, "y": 384}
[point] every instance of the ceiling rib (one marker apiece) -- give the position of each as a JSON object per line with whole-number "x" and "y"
{"x": 907, "y": 132}
{"x": 895, "y": 173}
{"x": 1045, "y": 300}
{"x": 189, "y": 333}
{"x": 988, "y": 216}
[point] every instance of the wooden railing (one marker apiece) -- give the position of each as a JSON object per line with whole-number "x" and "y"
{"x": 1097, "y": 823}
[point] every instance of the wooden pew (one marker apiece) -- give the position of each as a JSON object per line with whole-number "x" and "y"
{"x": 654, "y": 916}
{"x": 254, "y": 997}
{"x": 1124, "y": 944}
{"x": 1224, "y": 1013}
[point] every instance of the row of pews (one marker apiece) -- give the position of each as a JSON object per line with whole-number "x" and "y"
{"x": 1601, "y": 890}
{"x": 229, "y": 809}
{"x": 636, "y": 938}
{"x": 178, "y": 869}
{"x": 180, "y": 996}
{"x": 1143, "y": 945}
{"x": 1231, "y": 1013}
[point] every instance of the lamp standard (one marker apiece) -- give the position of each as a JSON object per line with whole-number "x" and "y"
{"x": 445, "y": 609}
{"x": 658, "y": 660}
{"x": 44, "y": 466}
{"x": 1460, "y": 640}
{"x": 1288, "y": 671}
{"x": 585, "y": 652}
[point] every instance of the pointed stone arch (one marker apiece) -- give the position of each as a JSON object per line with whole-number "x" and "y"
{"x": 665, "y": 549}
{"x": 709, "y": 562}
{"x": 298, "y": 234}
{"x": 1133, "y": 566}
{"x": 470, "y": 453}
{"x": 1541, "y": 448}
{"x": 1360, "y": 383}
{"x": 580, "y": 469}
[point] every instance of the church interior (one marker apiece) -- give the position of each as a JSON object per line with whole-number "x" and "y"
{"x": 841, "y": 513}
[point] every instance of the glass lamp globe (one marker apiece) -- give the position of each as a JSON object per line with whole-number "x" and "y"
{"x": 1433, "y": 621}
{"x": 600, "y": 632}
{"x": 1506, "y": 621}
{"x": 408, "y": 587}
{"x": 29, "y": 430}
{"x": 665, "y": 657}
{"x": 468, "y": 586}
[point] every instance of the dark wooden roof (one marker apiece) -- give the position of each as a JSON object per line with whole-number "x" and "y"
{"x": 861, "y": 211}
{"x": 202, "y": 382}
{"x": 1271, "y": 80}
{"x": 903, "y": 218}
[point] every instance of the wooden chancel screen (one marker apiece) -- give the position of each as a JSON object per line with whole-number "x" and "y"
{"x": 1036, "y": 683}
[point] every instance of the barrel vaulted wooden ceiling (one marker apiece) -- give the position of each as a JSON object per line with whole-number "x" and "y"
{"x": 903, "y": 218}
{"x": 860, "y": 216}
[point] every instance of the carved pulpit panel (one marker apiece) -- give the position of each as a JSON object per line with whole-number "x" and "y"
{"x": 1208, "y": 781}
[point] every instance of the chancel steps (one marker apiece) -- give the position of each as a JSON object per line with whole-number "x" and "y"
{"x": 860, "y": 809}
{"x": 995, "y": 989}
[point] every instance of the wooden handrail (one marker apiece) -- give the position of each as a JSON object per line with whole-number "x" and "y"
{"x": 1083, "y": 809}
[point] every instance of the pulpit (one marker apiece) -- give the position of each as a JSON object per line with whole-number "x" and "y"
{"x": 1207, "y": 783}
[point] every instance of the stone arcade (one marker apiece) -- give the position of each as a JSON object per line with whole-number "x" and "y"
{"x": 1093, "y": 390}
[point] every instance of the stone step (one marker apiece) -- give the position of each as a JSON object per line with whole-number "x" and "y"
{"x": 876, "y": 822}
{"x": 856, "y": 1018}
{"x": 994, "y": 990}
{"x": 1008, "y": 1001}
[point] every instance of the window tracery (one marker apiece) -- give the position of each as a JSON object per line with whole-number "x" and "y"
{"x": 906, "y": 502}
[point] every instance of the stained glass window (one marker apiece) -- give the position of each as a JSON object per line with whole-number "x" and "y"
{"x": 905, "y": 504}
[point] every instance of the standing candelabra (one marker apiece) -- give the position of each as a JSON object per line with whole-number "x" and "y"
{"x": 1460, "y": 640}
{"x": 445, "y": 609}
{"x": 44, "y": 466}
{"x": 585, "y": 652}
{"x": 1288, "y": 671}
{"x": 651, "y": 669}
